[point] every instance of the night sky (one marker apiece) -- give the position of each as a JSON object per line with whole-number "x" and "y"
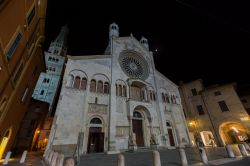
{"x": 195, "y": 39}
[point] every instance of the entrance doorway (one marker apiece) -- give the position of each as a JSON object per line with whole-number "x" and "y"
{"x": 4, "y": 141}
{"x": 170, "y": 134}
{"x": 138, "y": 129}
{"x": 96, "y": 137}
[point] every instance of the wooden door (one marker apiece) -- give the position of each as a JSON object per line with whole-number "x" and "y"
{"x": 171, "y": 137}
{"x": 96, "y": 140}
{"x": 137, "y": 129}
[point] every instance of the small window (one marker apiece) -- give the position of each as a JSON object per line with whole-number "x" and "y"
{"x": 42, "y": 92}
{"x": 45, "y": 80}
{"x": 83, "y": 83}
{"x": 50, "y": 58}
{"x": 95, "y": 121}
{"x": 163, "y": 97}
{"x": 217, "y": 93}
{"x": 31, "y": 15}
{"x": 200, "y": 110}
{"x": 26, "y": 91}
{"x": 194, "y": 92}
{"x": 223, "y": 106}
{"x": 168, "y": 124}
{"x": 244, "y": 101}
{"x": 18, "y": 73}
{"x": 77, "y": 82}
{"x": 106, "y": 88}
{"x": 92, "y": 86}
{"x": 13, "y": 45}
{"x": 124, "y": 90}
{"x": 120, "y": 90}
{"x": 137, "y": 114}
{"x": 100, "y": 87}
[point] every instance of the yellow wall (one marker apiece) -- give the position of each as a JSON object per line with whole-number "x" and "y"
{"x": 13, "y": 18}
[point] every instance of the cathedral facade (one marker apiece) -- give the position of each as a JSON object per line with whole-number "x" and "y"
{"x": 117, "y": 101}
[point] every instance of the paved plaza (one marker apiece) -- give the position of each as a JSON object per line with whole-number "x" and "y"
{"x": 169, "y": 157}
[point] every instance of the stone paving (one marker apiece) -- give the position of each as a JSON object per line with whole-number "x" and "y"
{"x": 169, "y": 157}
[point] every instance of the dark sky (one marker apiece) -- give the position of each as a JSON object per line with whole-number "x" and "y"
{"x": 196, "y": 39}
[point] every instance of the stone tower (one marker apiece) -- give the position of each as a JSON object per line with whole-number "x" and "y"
{"x": 48, "y": 82}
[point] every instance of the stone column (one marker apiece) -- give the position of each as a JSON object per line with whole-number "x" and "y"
{"x": 153, "y": 142}
{"x": 131, "y": 142}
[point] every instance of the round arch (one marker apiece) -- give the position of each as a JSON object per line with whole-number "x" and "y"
{"x": 233, "y": 132}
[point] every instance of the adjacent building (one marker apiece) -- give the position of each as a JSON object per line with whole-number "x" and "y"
{"x": 21, "y": 60}
{"x": 214, "y": 114}
{"x": 117, "y": 101}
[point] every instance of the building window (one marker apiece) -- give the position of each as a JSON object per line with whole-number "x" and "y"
{"x": 42, "y": 92}
{"x": 18, "y": 73}
{"x": 95, "y": 121}
{"x": 116, "y": 86}
{"x": 124, "y": 90}
{"x": 92, "y": 86}
{"x": 26, "y": 91}
{"x": 223, "y": 106}
{"x": 100, "y": 87}
{"x": 200, "y": 110}
{"x": 77, "y": 82}
{"x": 243, "y": 100}
{"x": 194, "y": 92}
{"x": 167, "y": 98}
{"x": 106, "y": 88}
{"x": 120, "y": 90}
{"x": 217, "y": 93}
{"x": 13, "y": 45}
{"x": 70, "y": 81}
{"x": 83, "y": 84}
{"x": 31, "y": 15}
{"x": 163, "y": 97}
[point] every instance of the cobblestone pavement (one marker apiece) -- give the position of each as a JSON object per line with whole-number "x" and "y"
{"x": 32, "y": 159}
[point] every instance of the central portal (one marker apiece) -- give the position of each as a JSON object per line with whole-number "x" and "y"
{"x": 138, "y": 129}
{"x": 96, "y": 136}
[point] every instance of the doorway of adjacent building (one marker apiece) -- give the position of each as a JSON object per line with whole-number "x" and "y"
{"x": 96, "y": 137}
{"x": 170, "y": 134}
{"x": 4, "y": 141}
{"x": 138, "y": 129}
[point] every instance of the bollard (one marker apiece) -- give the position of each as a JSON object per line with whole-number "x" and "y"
{"x": 7, "y": 157}
{"x": 50, "y": 157}
{"x": 23, "y": 156}
{"x": 60, "y": 159}
{"x": 156, "y": 158}
{"x": 246, "y": 147}
{"x": 46, "y": 156}
{"x": 184, "y": 161}
{"x": 54, "y": 158}
{"x": 203, "y": 155}
{"x": 230, "y": 151}
{"x": 120, "y": 160}
{"x": 242, "y": 150}
{"x": 70, "y": 162}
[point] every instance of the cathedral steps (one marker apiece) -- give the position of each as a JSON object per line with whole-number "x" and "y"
{"x": 143, "y": 157}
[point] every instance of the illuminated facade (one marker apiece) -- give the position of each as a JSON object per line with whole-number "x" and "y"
{"x": 21, "y": 60}
{"x": 214, "y": 114}
{"x": 48, "y": 82}
{"x": 117, "y": 101}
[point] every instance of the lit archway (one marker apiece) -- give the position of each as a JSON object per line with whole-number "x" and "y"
{"x": 208, "y": 138}
{"x": 233, "y": 132}
{"x": 4, "y": 141}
